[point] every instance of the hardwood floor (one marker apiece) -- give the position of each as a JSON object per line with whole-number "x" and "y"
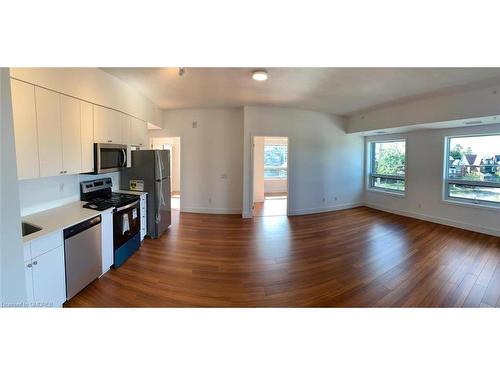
{"x": 354, "y": 258}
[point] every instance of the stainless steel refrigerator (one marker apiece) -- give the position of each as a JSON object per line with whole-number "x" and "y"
{"x": 150, "y": 172}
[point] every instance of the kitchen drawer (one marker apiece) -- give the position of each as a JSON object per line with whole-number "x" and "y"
{"x": 41, "y": 245}
{"x": 27, "y": 251}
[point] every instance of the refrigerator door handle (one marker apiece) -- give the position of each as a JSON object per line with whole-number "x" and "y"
{"x": 158, "y": 165}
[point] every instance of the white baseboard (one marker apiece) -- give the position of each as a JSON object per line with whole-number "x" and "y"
{"x": 317, "y": 210}
{"x": 207, "y": 210}
{"x": 438, "y": 220}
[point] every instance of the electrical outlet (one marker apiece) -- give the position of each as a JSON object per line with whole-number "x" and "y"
{"x": 61, "y": 187}
{"x": 195, "y": 124}
{"x": 420, "y": 205}
{"x": 209, "y": 199}
{"x": 324, "y": 199}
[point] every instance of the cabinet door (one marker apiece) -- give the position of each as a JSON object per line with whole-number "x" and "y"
{"x": 144, "y": 223}
{"x": 127, "y": 130}
{"x": 71, "y": 135}
{"x": 49, "y": 278}
{"x": 107, "y": 240}
{"x": 139, "y": 132}
{"x": 143, "y": 135}
{"x": 108, "y": 125}
{"x": 28, "y": 274}
{"x": 48, "y": 117}
{"x": 24, "y": 113}
{"x": 87, "y": 132}
{"x": 101, "y": 119}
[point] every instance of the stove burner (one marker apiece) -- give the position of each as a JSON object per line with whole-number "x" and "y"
{"x": 100, "y": 197}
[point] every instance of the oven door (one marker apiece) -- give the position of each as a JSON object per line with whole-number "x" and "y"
{"x": 109, "y": 157}
{"x": 126, "y": 223}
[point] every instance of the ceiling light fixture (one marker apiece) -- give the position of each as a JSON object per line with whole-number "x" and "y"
{"x": 260, "y": 75}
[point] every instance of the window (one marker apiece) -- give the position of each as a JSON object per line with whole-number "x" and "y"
{"x": 275, "y": 161}
{"x": 473, "y": 169}
{"x": 388, "y": 165}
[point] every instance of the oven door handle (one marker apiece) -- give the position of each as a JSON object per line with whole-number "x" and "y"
{"x": 125, "y": 207}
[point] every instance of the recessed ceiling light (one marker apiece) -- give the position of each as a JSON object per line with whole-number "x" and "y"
{"x": 259, "y": 75}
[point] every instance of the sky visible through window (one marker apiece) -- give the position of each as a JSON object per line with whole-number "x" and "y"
{"x": 481, "y": 145}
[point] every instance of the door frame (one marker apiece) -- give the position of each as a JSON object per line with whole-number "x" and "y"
{"x": 288, "y": 169}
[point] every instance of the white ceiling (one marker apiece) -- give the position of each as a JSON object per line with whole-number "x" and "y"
{"x": 341, "y": 91}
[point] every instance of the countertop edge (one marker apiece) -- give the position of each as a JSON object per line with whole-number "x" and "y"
{"x": 49, "y": 229}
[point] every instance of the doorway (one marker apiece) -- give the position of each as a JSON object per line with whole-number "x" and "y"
{"x": 270, "y": 176}
{"x": 174, "y": 145}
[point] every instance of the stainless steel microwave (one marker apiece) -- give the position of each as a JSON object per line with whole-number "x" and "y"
{"x": 109, "y": 157}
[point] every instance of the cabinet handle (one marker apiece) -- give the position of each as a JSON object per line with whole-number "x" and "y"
{"x": 28, "y": 265}
{"x": 109, "y": 140}
{"x": 35, "y": 263}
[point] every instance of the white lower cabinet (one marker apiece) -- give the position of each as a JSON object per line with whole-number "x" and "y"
{"x": 46, "y": 277}
{"x": 144, "y": 218}
{"x": 107, "y": 240}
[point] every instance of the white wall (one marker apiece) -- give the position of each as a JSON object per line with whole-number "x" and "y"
{"x": 211, "y": 157}
{"x": 258, "y": 169}
{"x": 13, "y": 286}
{"x": 323, "y": 161}
{"x": 465, "y": 105}
{"x": 425, "y": 152}
{"x": 45, "y": 193}
{"x": 93, "y": 85}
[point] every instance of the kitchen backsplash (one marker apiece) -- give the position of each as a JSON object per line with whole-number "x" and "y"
{"x": 45, "y": 193}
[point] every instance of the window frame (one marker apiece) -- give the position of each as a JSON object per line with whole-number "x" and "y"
{"x": 371, "y": 168}
{"x": 447, "y": 181}
{"x": 277, "y": 178}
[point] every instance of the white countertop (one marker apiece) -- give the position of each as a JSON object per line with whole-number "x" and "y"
{"x": 59, "y": 218}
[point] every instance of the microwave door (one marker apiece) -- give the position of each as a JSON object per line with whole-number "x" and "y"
{"x": 110, "y": 157}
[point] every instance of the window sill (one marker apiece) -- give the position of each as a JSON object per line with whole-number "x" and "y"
{"x": 388, "y": 192}
{"x": 458, "y": 202}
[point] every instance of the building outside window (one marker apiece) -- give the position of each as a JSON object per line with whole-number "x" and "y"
{"x": 275, "y": 161}
{"x": 473, "y": 169}
{"x": 388, "y": 166}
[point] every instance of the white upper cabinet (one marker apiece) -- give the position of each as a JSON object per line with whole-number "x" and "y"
{"x": 127, "y": 130}
{"x": 55, "y": 133}
{"x": 24, "y": 113}
{"x": 139, "y": 133}
{"x": 87, "y": 134}
{"x": 143, "y": 135}
{"x": 71, "y": 134}
{"x": 48, "y": 116}
{"x": 109, "y": 125}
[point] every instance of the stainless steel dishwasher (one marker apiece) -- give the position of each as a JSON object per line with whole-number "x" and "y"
{"x": 82, "y": 254}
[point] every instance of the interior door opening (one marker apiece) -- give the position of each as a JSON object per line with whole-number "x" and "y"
{"x": 270, "y": 176}
{"x": 174, "y": 145}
